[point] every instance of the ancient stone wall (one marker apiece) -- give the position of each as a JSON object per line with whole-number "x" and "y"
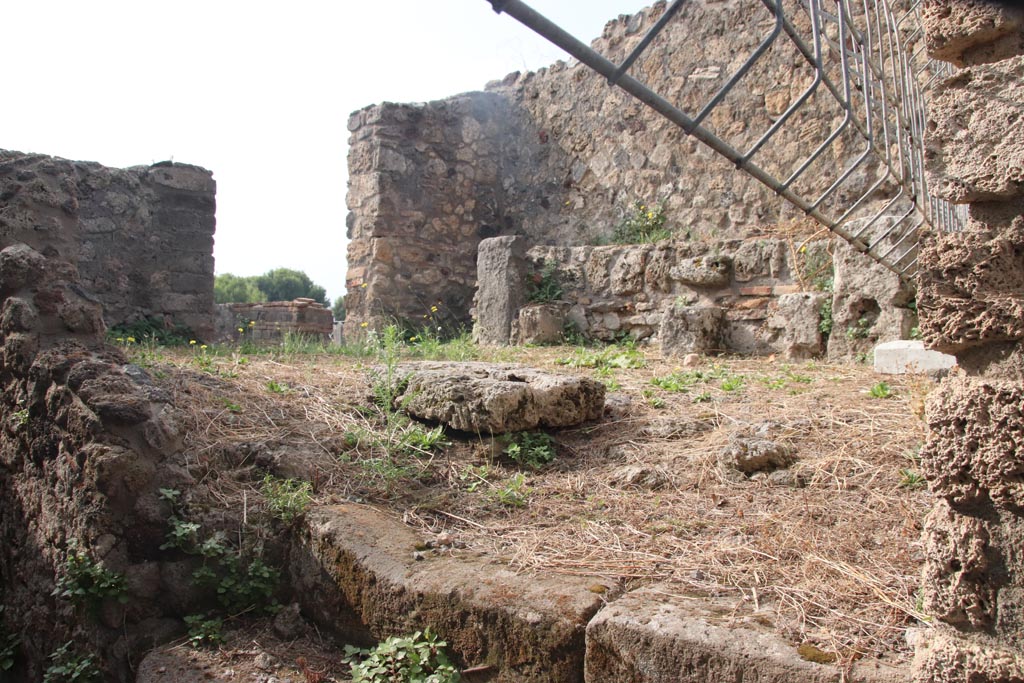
{"x": 559, "y": 157}
{"x": 140, "y": 239}
{"x": 86, "y": 442}
{"x": 756, "y": 296}
{"x": 271, "y": 321}
{"x": 971, "y": 300}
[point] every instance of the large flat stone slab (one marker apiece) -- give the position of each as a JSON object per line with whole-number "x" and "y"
{"x": 491, "y": 398}
{"x": 650, "y": 636}
{"x": 909, "y": 356}
{"x": 355, "y": 572}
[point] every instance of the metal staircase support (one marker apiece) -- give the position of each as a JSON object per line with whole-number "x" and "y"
{"x": 871, "y": 56}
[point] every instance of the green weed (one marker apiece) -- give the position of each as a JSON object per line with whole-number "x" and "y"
{"x": 416, "y": 658}
{"x": 533, "y": 449}
{"x": 70, "y": 667}
{"x": 514, "y": 493}
{"x": 86, "y": 582}
{"x": 880, "y": 390}
{"x": 204, "y": 630}
{"x": 286, "y": 499}
{"x": 642, "y": 224}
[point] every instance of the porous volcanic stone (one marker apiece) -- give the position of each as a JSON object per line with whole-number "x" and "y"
{"x": 972, "y": 31}
{"x": 485, "y": 397}
{"x": 354, "y": 571}
{"x": 691, "y": 329}
{"x": 650, "y": 636}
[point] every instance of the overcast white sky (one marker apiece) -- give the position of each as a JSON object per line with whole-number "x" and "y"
{"x": 258, "y": 92}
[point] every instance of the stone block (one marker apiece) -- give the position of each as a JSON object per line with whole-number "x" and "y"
{"x": 541, "y": 323}
{"x": 969, "y": 155}
{"x": 794, "y": 324}
{"x": 182, "y": 177}
{"x": 761, "y": 258}
{"x": 650, "y": 636}
{"x": 703, "y": 271}
{"x": 967, "y": 32}
{"x": 356, "y": 572}
{"x": 501, "y": 284}
{"x": 20, "y": 265}
{"x": 971, "y": 288}
{"x": 868, "y": 305}
{"x": 691, "y": 329}
{"x": 910, "y": 356}
{"x": 487, "y": 398}
{"x": 945, "y": 656}
{"x": 972, "y": 454}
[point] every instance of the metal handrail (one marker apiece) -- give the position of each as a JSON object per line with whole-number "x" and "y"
{"x": 880, "y": 95}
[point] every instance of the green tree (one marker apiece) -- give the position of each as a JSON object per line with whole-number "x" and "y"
{"x": 339, "y": 308}
{"x": 233, "y": 289}
{"x": 285, "y": 284}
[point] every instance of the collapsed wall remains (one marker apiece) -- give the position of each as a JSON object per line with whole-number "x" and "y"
{"x": 140, "y": 239}
{"x": 558, "y": 156}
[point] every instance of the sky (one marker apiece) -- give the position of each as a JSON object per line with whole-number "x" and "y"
{"x": 257, "y": 92}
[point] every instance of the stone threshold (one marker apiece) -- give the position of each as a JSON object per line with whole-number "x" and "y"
{"x": 363, "y": 574}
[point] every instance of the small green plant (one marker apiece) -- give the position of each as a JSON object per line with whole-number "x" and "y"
{"x": 909, "y": 479}
{"x": 230, "y": 405}
{"x": 21, "y": 417}
{"x": 703, "y": 397}
{"x": 533, "y": 449}
{"x": 416, "y": 658}
{"x": 545, "y": 285}
{"x": 625, "y": 356}
{"x": 652, "y": 400}
{"x": 70, "y": 667}
{"x": 825, "y": 314}
{"x": 286, "y": 499}
{"x": 86, "y": 582}
{"x": 151, "y": 331}
{"x": 880, "y": 390}
{"x": 204, "y": 630}
{"x": 417, "y": 439}
{"x": 514, "y": 493}
{"x": 9, "y": 643}
{"x": 475, "y": 476}
{"x": 682, "y": 380}
{"x": 642, "y": 224}
{"x": 276, "y": 388}
{"x": 915, "y": 332}
{"x": 859, "y": 330}
{"x": 732, "y": 383}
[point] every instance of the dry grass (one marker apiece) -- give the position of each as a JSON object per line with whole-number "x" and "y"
{"x": 830, "y": 557}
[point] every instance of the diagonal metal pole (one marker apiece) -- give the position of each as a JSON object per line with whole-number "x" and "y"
{"x": 546, "y": 28}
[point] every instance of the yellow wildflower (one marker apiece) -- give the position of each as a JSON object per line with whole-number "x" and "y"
{"x": 433, "y": 309}
{"x": 203, "y": 347}
{"x": 192, "y": 342}
{"x": 364, "y": 325}
{"x": 252, "y": 323}
{"x": 131, "y": 340}
{"x": 241, "y": 330}
{"x": 363, "y": 285}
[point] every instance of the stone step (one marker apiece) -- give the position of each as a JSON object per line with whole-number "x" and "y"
{"x": 908, "y": 356}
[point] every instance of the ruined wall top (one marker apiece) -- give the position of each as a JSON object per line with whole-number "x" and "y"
{"x": 141, "y": 238}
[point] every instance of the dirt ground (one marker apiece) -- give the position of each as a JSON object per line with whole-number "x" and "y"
{"x": 826, "y": 545}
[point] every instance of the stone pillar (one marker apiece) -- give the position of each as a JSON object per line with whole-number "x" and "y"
{"x": 971, "y": 304}
{"x": 501, "y": 288}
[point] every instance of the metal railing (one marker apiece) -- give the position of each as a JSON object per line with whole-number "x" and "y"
{"x": 866, "y": 61}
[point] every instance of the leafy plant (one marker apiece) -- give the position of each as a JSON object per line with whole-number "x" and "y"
{"x": 652, "y": 400}
{"x": 732, "y": 383}
{"x": 416, "y": 658}
{"x": 86, "y": 582}
{"x": 70, "y": 667}
{"x": 276, "y": 388}
{"x": 152, "y": 330}
{"x": 880, "y": 390}
{"x": 204, "y": 630}
{"x": 702, "y": 397}
{"x": 642, "y": 224}
{"x": 21, "y": 417}
{"x": 286, "y": 498}
{"x": 514, "y": 493}
{"x": 825, "y": 314}
{"x": 533, "y": 449}
{"x": 616, "y": 356}
{"x": 9, "y": 643}
{"x": 683, "y": 380}
{"x": 545, "y": 285}
{"x": 860, "y": 330}
{"x": 909, "y": 479}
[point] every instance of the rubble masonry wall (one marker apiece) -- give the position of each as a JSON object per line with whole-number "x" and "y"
{"x": 971, "y": 302}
